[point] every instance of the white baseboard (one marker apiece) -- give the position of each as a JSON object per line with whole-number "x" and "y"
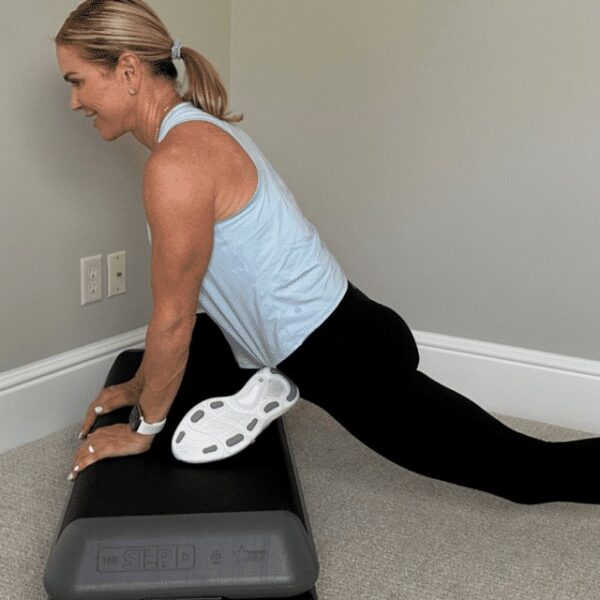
{"x": 51, "y": 394}
{"x": 46, "y": 396}
{"x": 551, "y": 388}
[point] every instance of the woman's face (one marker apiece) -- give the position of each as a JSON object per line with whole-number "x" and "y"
{"x": 96, "y": 92}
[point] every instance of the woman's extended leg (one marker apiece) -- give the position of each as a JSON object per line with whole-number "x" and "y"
{"x": 360, "y": 366}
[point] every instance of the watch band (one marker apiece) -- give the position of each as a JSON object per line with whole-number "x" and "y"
{"x": 136, "y": 420}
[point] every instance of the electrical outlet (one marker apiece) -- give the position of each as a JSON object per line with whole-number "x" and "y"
{"x": 91, "y": 279}
{"x": 117, "y": 271}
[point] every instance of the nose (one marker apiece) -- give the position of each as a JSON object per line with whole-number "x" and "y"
{"x": 75, "y": 104}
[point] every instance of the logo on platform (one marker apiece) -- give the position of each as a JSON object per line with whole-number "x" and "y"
{"x": 145, "y": 558}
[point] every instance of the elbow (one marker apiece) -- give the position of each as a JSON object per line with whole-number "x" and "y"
{"x": 173, "y": 324}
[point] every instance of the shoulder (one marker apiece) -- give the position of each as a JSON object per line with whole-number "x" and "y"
{"x": 188, "y": 150}
{"x": 175, "y": 175}
{"x": 199, "y": 146}
{"x": 197, "y": 139}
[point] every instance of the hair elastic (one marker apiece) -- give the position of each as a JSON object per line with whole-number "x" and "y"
{"x": 176, "y": 50}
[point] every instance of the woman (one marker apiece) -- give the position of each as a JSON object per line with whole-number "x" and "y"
{"x": 225, "y": 230}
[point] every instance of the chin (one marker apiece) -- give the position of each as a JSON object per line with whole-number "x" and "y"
{"x": 107, "y": 137}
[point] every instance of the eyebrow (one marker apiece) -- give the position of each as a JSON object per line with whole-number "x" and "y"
{"x": 66, "y": 77}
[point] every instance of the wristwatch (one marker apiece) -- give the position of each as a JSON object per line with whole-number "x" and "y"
{"x": 137, "y": 423}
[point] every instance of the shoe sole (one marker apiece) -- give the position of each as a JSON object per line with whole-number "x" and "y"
{"x": 218, "y": 428}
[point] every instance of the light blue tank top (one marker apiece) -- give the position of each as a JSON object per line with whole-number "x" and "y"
{"x": 271, "y": 281}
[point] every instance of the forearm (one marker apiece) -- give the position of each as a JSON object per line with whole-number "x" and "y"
{"x": 162, "y": 368}
{"x": 139, "y": 376}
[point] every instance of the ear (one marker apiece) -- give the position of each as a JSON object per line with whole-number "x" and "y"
{"x": 130, "y": 68}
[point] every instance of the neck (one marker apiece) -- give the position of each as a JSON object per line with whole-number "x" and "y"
{"x": 168, "y": 106}
{"x": 148, "y": 118}
{"x": 150, "y": 115}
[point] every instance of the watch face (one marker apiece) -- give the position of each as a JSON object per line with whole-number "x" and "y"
{"x": 134, "y": 417}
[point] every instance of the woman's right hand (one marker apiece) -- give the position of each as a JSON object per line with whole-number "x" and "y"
{"x": 109, "y": 399}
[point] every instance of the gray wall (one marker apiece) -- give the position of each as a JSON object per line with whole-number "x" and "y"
{"x": 448, "y": 152}
{"x": 66, "y": 193}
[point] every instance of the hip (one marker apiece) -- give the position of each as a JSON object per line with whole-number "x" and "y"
{"x": 360, "y": 331}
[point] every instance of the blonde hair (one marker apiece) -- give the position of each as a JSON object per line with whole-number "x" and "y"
{"x": 102, "y": 30}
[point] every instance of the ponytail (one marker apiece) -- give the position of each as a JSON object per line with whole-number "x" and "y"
{"x": 102, "y": 30}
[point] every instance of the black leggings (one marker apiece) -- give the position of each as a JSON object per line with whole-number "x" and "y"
{"x": 360, "y": 366}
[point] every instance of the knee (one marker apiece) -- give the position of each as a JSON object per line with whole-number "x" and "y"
{"x": 521, "y": 476}
{"x": 405, "y": 344}
{"x": 414, "y": 356}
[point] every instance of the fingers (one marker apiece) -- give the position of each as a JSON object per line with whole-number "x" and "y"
{"x": 83, "y": 460}
{"x": 110, "y": 441}
{"x": 109, "y": 399}
{"x": 102, "y": 404}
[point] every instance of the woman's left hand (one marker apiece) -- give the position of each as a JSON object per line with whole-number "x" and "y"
{"x": 107, "y": 442}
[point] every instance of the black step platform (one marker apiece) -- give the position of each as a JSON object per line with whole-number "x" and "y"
{"x": 149, "y": 527}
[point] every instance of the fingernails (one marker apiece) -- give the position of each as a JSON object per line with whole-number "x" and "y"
{"x": 71, "y": 477}
{"x": 90, "y": 448}
{"x": 81, "y": 436}
{"x": 98, "y": 410}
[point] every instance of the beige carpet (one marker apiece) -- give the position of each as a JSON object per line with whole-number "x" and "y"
{"x": 381, "y": 532}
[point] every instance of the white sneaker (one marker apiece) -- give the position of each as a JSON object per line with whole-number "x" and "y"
{"x": 217, "y": 428}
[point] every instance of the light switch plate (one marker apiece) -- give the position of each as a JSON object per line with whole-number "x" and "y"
{"x": 117, "y": 273}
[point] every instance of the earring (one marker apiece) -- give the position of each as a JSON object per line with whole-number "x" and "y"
{"x": 132, "y": 91}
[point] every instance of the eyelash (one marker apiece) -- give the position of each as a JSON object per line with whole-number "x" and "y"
{"x": 75, "y": 82}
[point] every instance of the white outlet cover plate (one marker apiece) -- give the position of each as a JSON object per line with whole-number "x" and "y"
{"x": 91, "y": 279}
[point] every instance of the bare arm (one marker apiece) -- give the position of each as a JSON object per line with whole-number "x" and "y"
{"x": 139, "y": 376}
{"x": 179, "y": 203}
